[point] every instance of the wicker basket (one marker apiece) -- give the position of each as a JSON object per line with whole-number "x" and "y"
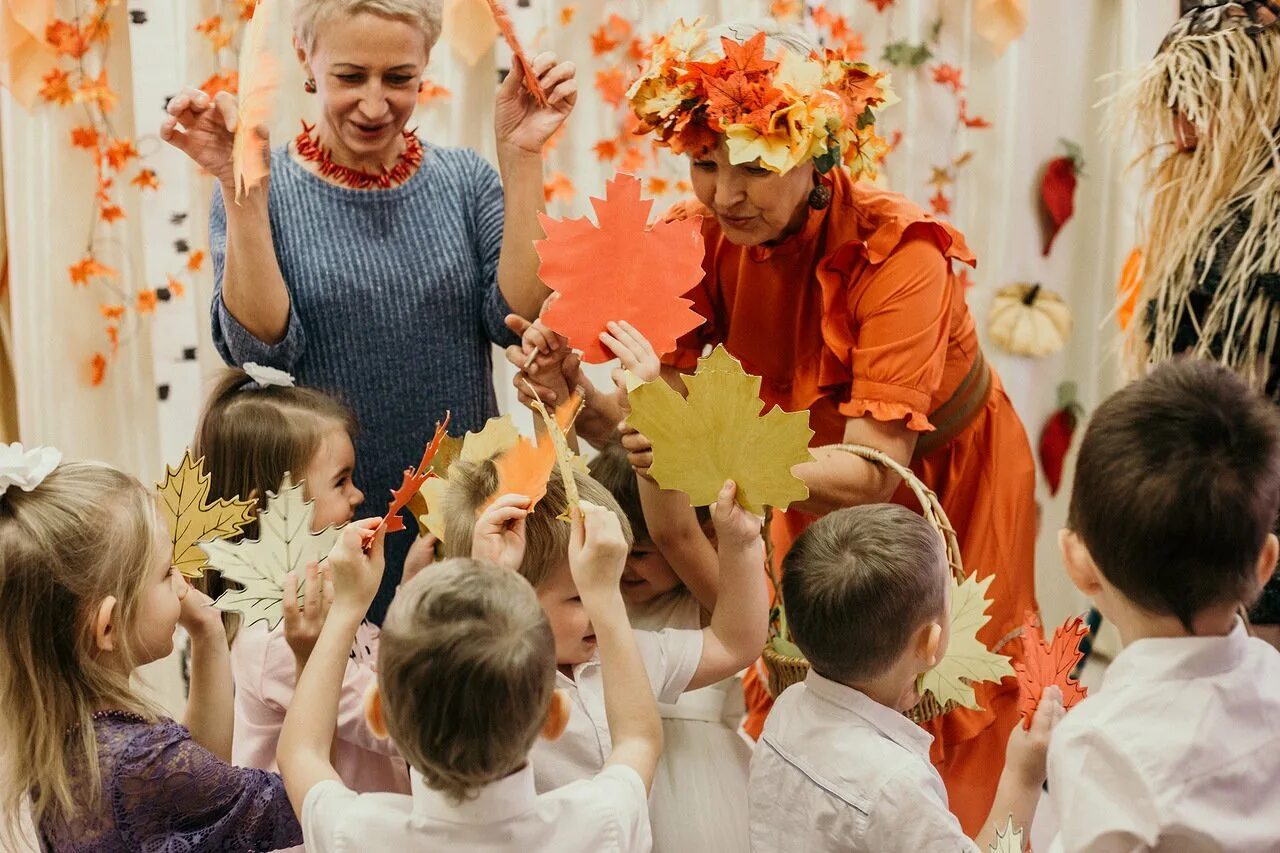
{"x": 782, "y": 670}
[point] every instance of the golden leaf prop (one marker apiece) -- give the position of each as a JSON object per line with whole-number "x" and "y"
{"x": 259, "y": 83}
{"x": 497, "y": 436}
{"x": 431, "y": 516}
{"x": 1026, "y": 319}
{"x": 418, "y": 505}
{"x": 967, "y": 660}
{"x": 184, "y": 501}
{"x": 1008, "y": 840}
{"x": 718, "y": 433}
{"x": 557, "y": 427}
{"x": 285, "y": 543}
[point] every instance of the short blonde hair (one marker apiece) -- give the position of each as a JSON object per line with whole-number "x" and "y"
{"x": 87, "y": 532}
{"x": 466, "y": 668}
{"x": 471, "y": 484}
{"x": 308, "y": 15}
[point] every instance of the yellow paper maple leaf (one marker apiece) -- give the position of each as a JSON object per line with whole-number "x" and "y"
{"x": 717, "y": 433}
{"x": 967, "y": 659}
{"x": 184, "y": 500}
{"x": 497, "y": 436}
{"x": 285, "y": 543}
{"x": 1008, "y": 840}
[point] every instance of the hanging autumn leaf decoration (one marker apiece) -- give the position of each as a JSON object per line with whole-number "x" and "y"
{"x": 967, "y": 660}
{"x": 1058, "y": 191}
{"x": 192, "y": 518}
{"x": 285, "y": 544}
{"x": 718, "y": 433}
{"x": 621, "y": 269}
{"x": 259, "y": 83}
{"x": 503, "y": 20}
{"x": 1055, "y": 437}
{"x": 1027, "y": 319}
{"x": 1044, "y": 664}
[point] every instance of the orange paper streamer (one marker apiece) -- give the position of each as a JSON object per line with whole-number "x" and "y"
{"x": 503, "y": 20}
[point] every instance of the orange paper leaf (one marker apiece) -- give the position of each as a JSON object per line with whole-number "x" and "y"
{"x": 1044, "y": 664}
{"x": 259, "y": 82}
{"x": 88, "y": 268}
{"x": 525, "y": 468}
{"x": 57, "y": 88}
{"x": 146, "y": 180}
{"x": 621, "y": 269}
{"x": 413, "y": 480}
{"x": 503, "y": 21}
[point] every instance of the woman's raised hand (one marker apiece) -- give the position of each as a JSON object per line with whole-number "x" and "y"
{"x": 519, "y": 120}
{"x": 204, "y": 128}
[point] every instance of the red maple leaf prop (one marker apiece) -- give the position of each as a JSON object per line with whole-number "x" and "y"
{"x": 411, "y": 484}
{"x": 503, "y": 20}
{"x": 1044, "y": 664}
{"x": 620, "y": 270}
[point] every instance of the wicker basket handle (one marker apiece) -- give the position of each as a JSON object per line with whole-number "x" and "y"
{"x": 932, "y": 509}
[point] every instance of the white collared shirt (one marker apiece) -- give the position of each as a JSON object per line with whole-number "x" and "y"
{"x": 835, "y": 770}
{"x": 1179, "y": 749}
{"x": 607, "y": 814}
{"x": 670, "y": 659}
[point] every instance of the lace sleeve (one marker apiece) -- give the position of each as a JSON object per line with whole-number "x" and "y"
{"x": 170, "y": 794}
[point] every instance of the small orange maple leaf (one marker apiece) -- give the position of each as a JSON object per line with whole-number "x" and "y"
{"x": 975, "y": 122}
{"x": 113, "y": 337}
{"x": 66, "y": 38}
{"x": 196, "y": 261}
{"x": 146, "y": 180}
{"x": 566, "y": 15}
{"x": 657, "y": 186}
{"x": 606, "y": 149}
{"x": 1044, "y": 664}
{"x": 176, "y": 287}
{"x": 87, "y": 268}
{"x": 84, "y": 137}
{"x": 146, "y": 302}
{"x": 111, "y": 312}
{"x": 633, "y": 159}
{"x": 57, "y": 88}
{"x": 601, "y": 41}
{"x": 97, "y": 369}
{"x": 119, "y": 152}
{"x": 558, "y": 186}
{"x": 97, "y": 91}
{"x": 432, "y": 92}
{"x": 227, "y": 80}
{"x": 949, "y": 76}
{"x": 111, "y": 213}
{"x": 612, "y": 85}
{"x": 940, "y": 203}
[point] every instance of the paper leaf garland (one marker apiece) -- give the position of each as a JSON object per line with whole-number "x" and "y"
{"x": 184, "y": 501}
{"x": 620, "y": 269}
{"x": 556, "y": 429}
{"x": 412, "y": 481}
{"x": 967, "y": 660}
{"x": 718, "y": 433}
{"x": 285, "y": 543}
{"x": 1008, "y": 840}
{"x": 503, "y": 20}
{"x": 259, "y": 83}
{"x": 1044, "y": 664}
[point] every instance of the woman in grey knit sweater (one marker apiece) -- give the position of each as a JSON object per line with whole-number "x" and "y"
{"x": 387, "y": 295}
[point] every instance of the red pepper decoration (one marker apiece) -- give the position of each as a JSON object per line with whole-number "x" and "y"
{"x": 1058, "y": 190}
{"x": 1055, "y": 437}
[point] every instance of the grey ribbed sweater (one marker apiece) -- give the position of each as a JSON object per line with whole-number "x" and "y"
{"x": 394, "y": 304}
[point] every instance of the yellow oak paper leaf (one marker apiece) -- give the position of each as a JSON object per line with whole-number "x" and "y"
{"x": 1008, "y": 840}
{"x": 497, "y": 436}
{"x": 184, "y": 500}
{"x": 285, "y": 543}
{"x": 718, "y": 433}
{"x": 967, "y": 659}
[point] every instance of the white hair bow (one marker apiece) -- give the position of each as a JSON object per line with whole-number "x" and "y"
{"x": 265, "y": 377}
{"x": 26, "y": 469}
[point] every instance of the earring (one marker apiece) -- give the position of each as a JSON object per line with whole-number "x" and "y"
{"x": 820, "y": 197}
{"x": 310, "y": 86}
{"x": 422, "y": 84}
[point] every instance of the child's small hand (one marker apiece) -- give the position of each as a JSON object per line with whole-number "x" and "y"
{"x": 735, "y": 527}
{"x": 354, "y": 573}
{"x": 597, "y": 550}
{"x": 1028, "y": 750}
{"x": 197, "y": 615}
{"x": 302, "y": 624}
{"x": 499, "y": 532}
{"x": 422, "y": 553}
{"x": 632, "y": 349}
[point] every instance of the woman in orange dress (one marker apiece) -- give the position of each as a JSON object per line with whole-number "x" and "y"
{"x": 844, "y": 299}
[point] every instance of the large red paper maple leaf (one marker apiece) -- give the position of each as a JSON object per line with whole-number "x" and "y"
{"x": 412, "y": 482}
{"x": 620, "y": 269}
{"x": 1044, "y": 664}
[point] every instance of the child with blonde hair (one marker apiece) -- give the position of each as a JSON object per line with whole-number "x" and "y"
{"x": 87, "y": 595}
{"x": 466, "y": 686}
{"x": 252, "y": 432}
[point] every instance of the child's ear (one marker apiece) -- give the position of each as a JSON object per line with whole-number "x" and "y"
{"x": 929, "y": 645}
{"x": 373, "y": 712}
{"x": 104, "y": 630}
{"x": 1267, "y": 559}
{"x": 1079, "y": 563}
{"x": 557, "y": 716}
{"x": 302, "y": 54}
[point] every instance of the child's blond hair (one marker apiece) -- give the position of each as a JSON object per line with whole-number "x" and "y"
{"x": 471, "y": 484}
{"x": 466, "y": 668}
{"x": 85, "y": 533}
{"x": 250, "y": 437}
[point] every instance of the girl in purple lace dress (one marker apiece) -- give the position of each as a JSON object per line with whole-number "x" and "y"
{"x": 87, "y": 594}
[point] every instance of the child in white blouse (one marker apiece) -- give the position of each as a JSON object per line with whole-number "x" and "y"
{"x": 1173, "y": 504}
{"x": 838, "y": 766}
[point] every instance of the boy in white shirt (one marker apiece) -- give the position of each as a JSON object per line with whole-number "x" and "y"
{"x": 676, "y": 660}
{"x": 466, "y": 676}
{"x": 838, "y": 766}
{"x": 1174, "y": 501}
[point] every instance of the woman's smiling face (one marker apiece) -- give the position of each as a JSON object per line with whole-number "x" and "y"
{"x": 752, "y": 204}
